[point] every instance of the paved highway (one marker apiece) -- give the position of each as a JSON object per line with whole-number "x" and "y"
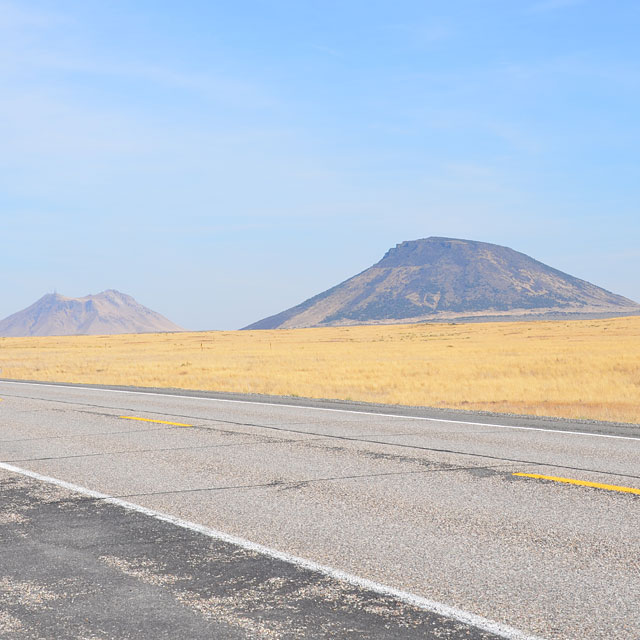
{"x": 173, "y": 514}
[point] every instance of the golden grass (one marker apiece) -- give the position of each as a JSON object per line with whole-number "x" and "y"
{"x": 575, "y": 369}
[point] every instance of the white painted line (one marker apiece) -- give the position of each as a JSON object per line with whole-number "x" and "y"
{"x": 459, "y": 615}
{"x": 296, "y": 406}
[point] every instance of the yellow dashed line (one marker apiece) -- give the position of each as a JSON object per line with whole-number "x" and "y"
{"x": 582, "y": 483}
{"x": 175, "y": 424}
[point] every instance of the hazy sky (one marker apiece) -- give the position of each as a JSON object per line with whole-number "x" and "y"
{"x": 221, "y": 161}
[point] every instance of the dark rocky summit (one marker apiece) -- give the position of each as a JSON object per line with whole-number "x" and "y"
{"x": 447, "y": 278}
{"x": 108, "y": 312}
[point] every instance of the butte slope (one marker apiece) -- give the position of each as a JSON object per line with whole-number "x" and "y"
{"x": 446, "y": 278}
{"x": 108, "y": 312}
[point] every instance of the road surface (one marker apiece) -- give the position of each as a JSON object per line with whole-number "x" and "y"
{"x": 129, "y": 513}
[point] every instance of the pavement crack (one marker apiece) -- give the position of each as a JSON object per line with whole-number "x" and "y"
{"x": 297, "y": 484}
{"x": 86, "y": 435}
{"x": 367, "y": 440}
{"x": 136, "y": 451}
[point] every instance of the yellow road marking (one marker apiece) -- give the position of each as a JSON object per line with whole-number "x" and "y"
{"x": 582, "y": 483}
{"x": 175, "y": 424}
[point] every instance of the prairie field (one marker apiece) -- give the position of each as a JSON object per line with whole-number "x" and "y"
{"x": 575, "y": 369}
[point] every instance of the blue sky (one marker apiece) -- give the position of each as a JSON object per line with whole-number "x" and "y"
{"x": 222, "y": 161}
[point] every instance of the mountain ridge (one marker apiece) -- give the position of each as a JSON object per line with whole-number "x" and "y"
{"x": 447, "y": 278}
{"x": 106, "y": 313}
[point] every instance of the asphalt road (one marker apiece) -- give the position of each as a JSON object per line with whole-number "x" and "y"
{"x": 328, "y": 520}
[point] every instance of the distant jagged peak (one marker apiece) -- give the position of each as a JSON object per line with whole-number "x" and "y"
{"x": 107, "y": 312}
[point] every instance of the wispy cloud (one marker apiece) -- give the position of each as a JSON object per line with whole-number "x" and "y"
{"x": 553, "y": 5}
{"x": 37, "y": 56}
{"x": 32, "y": 42}
{"x": 580, "y": 65}
{"x": 13, "y": 16}
{"x": 421, "y": 35}
{"x": 334, "y": 53}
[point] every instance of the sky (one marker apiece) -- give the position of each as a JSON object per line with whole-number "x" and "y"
{"x": 222, "y": 161}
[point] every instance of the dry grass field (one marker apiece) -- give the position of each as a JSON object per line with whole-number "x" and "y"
{"x": 576, "y": 369}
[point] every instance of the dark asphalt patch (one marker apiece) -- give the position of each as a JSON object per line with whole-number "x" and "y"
{"x": 75, "y": 567}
